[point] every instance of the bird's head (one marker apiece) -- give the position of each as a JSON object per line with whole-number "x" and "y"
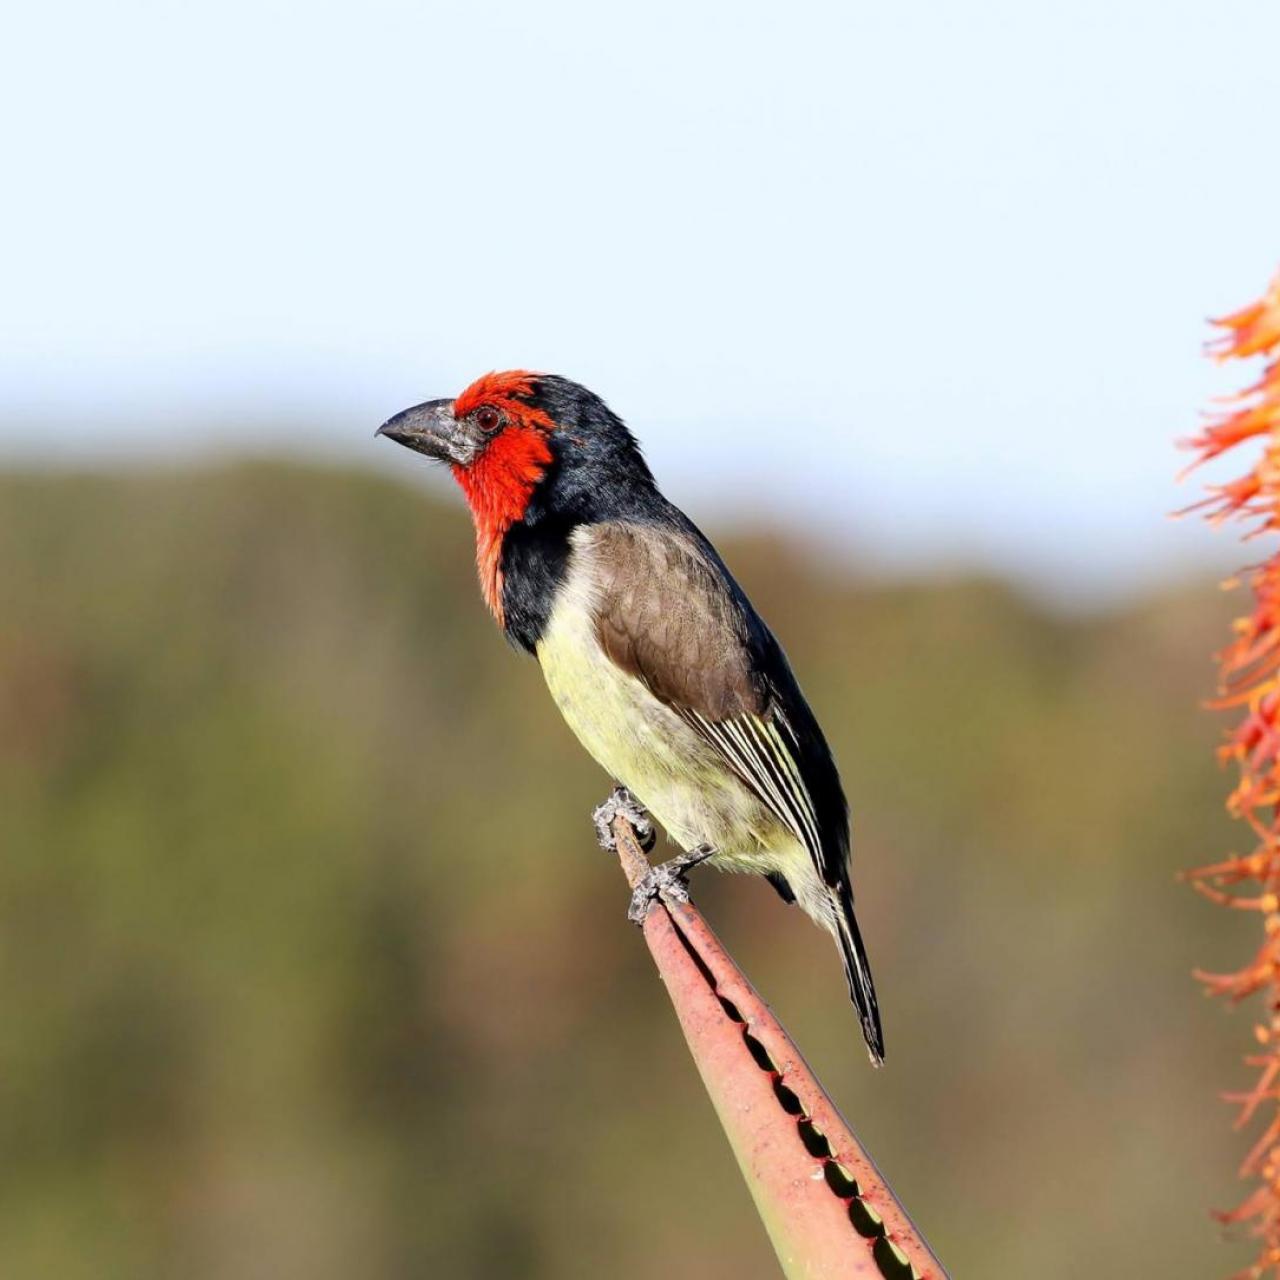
{"x": 526, "y": 448}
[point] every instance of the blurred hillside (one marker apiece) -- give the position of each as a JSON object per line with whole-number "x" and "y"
{"x": 309, "y": 966}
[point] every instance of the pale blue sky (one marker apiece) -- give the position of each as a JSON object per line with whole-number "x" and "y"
{"x": 928, "y": 278}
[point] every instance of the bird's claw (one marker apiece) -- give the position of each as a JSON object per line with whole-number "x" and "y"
{"x": 621, "y": 803}
{"x": 666, "y": 880}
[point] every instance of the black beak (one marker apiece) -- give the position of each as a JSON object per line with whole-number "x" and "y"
{"x": 431, "y": 429}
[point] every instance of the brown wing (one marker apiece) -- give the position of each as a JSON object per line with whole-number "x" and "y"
{"x": 664, "y": 618}
{"x": 669, "y": 613}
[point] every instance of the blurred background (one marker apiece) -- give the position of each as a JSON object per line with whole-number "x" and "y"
{"x": 308, "y": 963}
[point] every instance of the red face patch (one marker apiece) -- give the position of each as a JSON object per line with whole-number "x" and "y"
{"x": 500, "y": 482}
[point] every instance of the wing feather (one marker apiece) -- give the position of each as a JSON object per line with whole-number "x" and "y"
{"x": 671, "y": 615}
{"x": 756, "y": 753}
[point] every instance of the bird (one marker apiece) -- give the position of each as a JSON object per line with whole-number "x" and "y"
{"x": 651, "y": 650}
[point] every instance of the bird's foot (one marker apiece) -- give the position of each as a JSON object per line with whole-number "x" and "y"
{"x": 622, "y": 803}
{"x": 666, "y": 880}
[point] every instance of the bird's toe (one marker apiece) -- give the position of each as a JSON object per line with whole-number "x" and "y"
{"x": 621, "y": 803}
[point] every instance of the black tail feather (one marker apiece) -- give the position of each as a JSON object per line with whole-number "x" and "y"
{"x": 857, "y": 970}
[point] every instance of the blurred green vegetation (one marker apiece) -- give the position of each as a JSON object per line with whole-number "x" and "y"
{"x": 309, "y": 966}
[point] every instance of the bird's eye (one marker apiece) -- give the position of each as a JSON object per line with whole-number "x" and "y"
{"x": 488, "y": 419}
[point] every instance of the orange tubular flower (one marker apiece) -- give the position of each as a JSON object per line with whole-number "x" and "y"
{"x": 1249, "y": 678}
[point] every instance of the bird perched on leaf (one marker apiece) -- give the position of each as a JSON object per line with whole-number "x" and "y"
{"x": 652, "y": 651}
